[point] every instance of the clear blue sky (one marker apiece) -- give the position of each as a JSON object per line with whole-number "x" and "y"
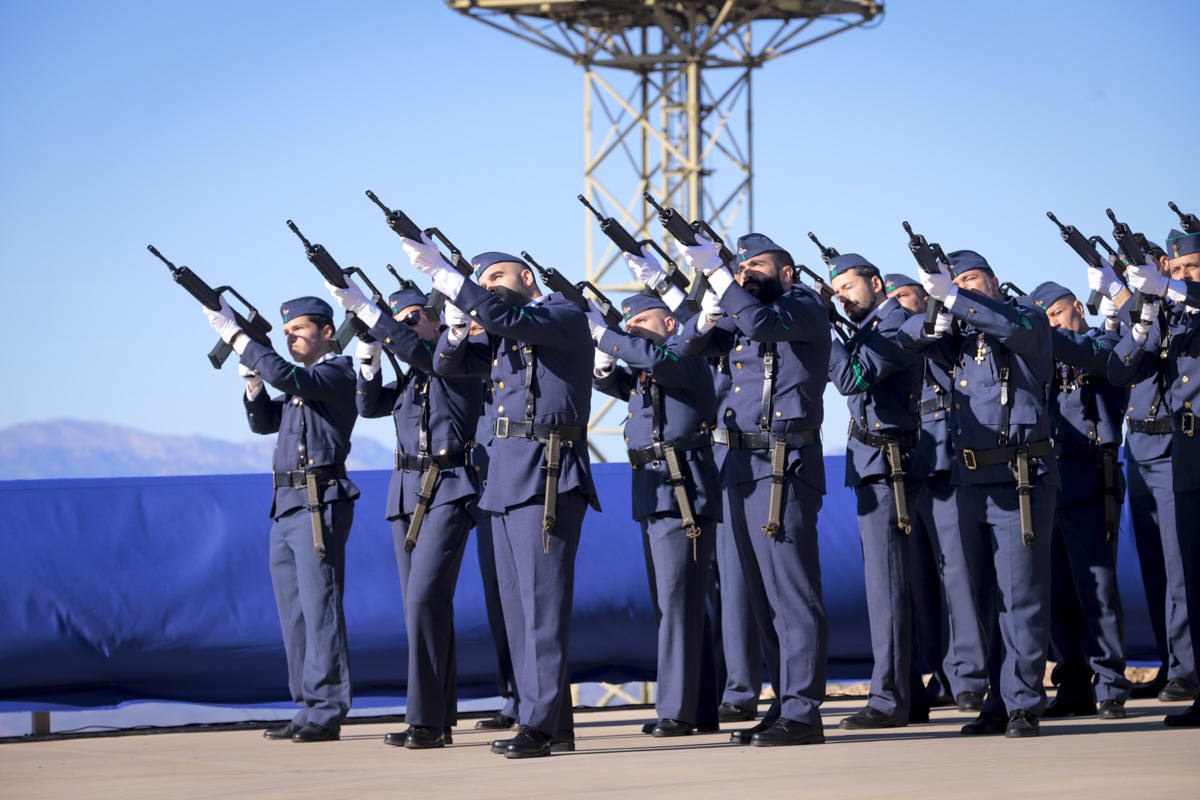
{"x": 202, "y": 127}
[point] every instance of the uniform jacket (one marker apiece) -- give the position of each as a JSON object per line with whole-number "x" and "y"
{"x": 882, "y": 384}
{"x": 1144, "y": 371}
{"x": 454, "y": 406}
{"x": 798, "y": 327}
{"x": 689, "y": 406}
{"x": 934, "y": 444}
{"x": 562, "y": 386}
{"x": 994, "y": 336}
{"x": 320, "y": 399}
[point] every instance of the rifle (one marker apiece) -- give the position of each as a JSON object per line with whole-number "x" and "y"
{"x": 351, "y": 325}
{"x": 685, "y": 233}
{"x": 1190, "y": 222}
{"x": 399, "y": 222}
{"x": 843, "y": 327}
{"x": 253, "y": 324}
{"x": 928, "y": 257}
{"x": 827, "y": 253}
{"x": 625, "y": 241}
{"x": 557, "y": 282}
{"x": 1010, "y": 289}
{"x": 1071, "y": 235}
{"x": 1132, "y": 253}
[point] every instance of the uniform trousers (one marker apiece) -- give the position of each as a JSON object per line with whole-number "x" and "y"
{"x": 1152, "y": 510}
{"x": 739, "y": 635}
{"x": 935, "y": 539}
{"x": 308, "y": 595}
{"x": 506, "y": 685}
{"x": 1012, "y": 585}
{"x": 428, "y": 577}
{"x": 687, "y": 679}
{"x": 783, "y": 576}
{"x": 1187, "y": 527}
{"x": 536, "y": 591}
{"x": 1087, "y": 623}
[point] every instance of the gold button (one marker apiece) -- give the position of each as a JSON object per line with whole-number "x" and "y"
{"x": 958, "y": 406}
{"x": 1187, "y": 404}
{"x": 962, "y": 383}
{"x": 779, "y": 413}
{"x": 514, "y": 347}
{"x": 474, "y": 313}
{"x": 970, "y": 311}
{"x": 1185, "y": 378}
{"x": 310, "y": 461}
{"x": 876, "y": 424}
{"x": 495, "y": 362}
{"x": 501, "y": 384}
{"x": 738, "y": 365}
{"x": 737, "y": 388}
{"x": 735, "y": 316}
{"x": 1131, "y": 408}
{"x": 739, "y": 347}
{"x": 478, "y": 468}
{"x": 500, "y": 410}
{"x": 443, "y": 452}
{"x": 630, "y": 415}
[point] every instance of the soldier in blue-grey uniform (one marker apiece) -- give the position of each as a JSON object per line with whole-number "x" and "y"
{"x": 882, "y": 384}
{"x": 431, "y": 497}
{"x": 1151, "y": 486}
{"x": 947, "y": 626}
{"x": 1087, "y": 623}
{"x": 539, "y": 357}
{"x": 1183, "y": 351}
{"x": 676, "y": 496}
{"x": 313, "y": 504}
{"x": 1005, "y": 474}
{"x": 776, "y": 335}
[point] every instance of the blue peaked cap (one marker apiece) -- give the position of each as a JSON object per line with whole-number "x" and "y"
{"x": 755, "y": 244}
{"x": 305, "y": 306}
{"x": 636, "y": 304}
{"x": 406, "y": 297}
{"x": 966, "y": 260}
{"x": 484, "y": 260}
{"x": 894, "y": 280}
{"x": 1047, "y": 294}
{"x": 1181, "y": 244}
{"x": 848, "y": 261}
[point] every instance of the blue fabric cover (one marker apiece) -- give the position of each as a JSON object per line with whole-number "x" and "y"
{"x": 157, "y": 588}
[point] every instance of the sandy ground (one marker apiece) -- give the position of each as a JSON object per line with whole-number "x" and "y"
{"x": 1134, "y": 758}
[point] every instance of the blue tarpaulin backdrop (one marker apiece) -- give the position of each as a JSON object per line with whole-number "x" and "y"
{"x": 157, "y": 588}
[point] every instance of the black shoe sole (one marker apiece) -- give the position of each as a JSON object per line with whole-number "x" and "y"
{"x": 816, "y": 738}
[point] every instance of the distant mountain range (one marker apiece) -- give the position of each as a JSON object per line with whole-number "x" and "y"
{"x": 67, "y": 448}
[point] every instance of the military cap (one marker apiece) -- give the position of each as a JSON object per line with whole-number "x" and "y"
{"x": 305, "y": 306}
{"x": 484, "y": 260}
{"x": 1047, "y": 294}
{"x": 894, "y": 280}
{"x": 1181, "y": 244}
{"x": 636, "y": 304}
{"x": 755, "y": 244}
{"x": 848, "y": 261}
{"x": 966, "y": 260}
{"x": 408, "y": 296}
{"x": 1150, "y": 247}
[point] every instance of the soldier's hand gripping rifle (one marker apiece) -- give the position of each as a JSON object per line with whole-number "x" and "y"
{"x": 253, "y": 324}
{"x": 1132, "y": 253}
{"x": 1085, "y": 250}
{"x": 685, "y": 233}
{"x": 929, "y": 258}
{"x": 330, "y": 270}
{"x": 557, "y": 282}
{"x": 625, "y": 241}
{"x": 1189, "y": 222}
{"x": 400, "y": 222}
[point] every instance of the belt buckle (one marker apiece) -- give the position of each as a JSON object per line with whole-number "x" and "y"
{"x": 501, "y": 427}
{"x": 1187, "y": 423}
{"x": 968, "y": 457}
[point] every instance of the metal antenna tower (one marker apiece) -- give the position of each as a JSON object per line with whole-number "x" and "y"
{"x": 673, "y": 108}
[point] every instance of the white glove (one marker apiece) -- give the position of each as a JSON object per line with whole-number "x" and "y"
{"x": 1108, "y": 309}
{"x": 1145, "y": 278}
{"x": 1149, "y": 314}
{"x": 222, "y": 321}
{"x": 595, "y": 321}
{"x": 1104, "y": 281}
{"x": 458, "y": 321}
{"x": 942, "y": 323}
{"x": 253, "y": 379}
{"x": 353, "y": 300}
{"x": 938, "y": 285}
{"x": 367, "y": 354}
{"x": 710, "y": 312}
{"x": 702, "y": 256}
{"x": 425, "y": 256}
{"x": 603, "y": 363}
{"x": 647, "y": 269}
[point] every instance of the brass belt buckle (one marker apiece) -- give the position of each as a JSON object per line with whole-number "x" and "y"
{"x": 968, "y": 457}
{"x": 1187, "y": 423}
{"x": 501, "y": 427}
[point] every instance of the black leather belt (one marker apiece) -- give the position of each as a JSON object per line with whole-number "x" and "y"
{"x": 1083, "y": 452}
{"x": 933, "y": 405}
{"x": 421, "y": 463}
{"x": 298, "y": 478}
{"x": 1148, "y": 425}
{"x": 905, "y": 439}
{"x": 737, "y": 440}
{"x": 504, "y": 428}
{"x": 693, "y": 441}
{"x": 974, "y": 459}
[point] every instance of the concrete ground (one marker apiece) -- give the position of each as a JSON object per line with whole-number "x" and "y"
{"x": 1137, "y": 757}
